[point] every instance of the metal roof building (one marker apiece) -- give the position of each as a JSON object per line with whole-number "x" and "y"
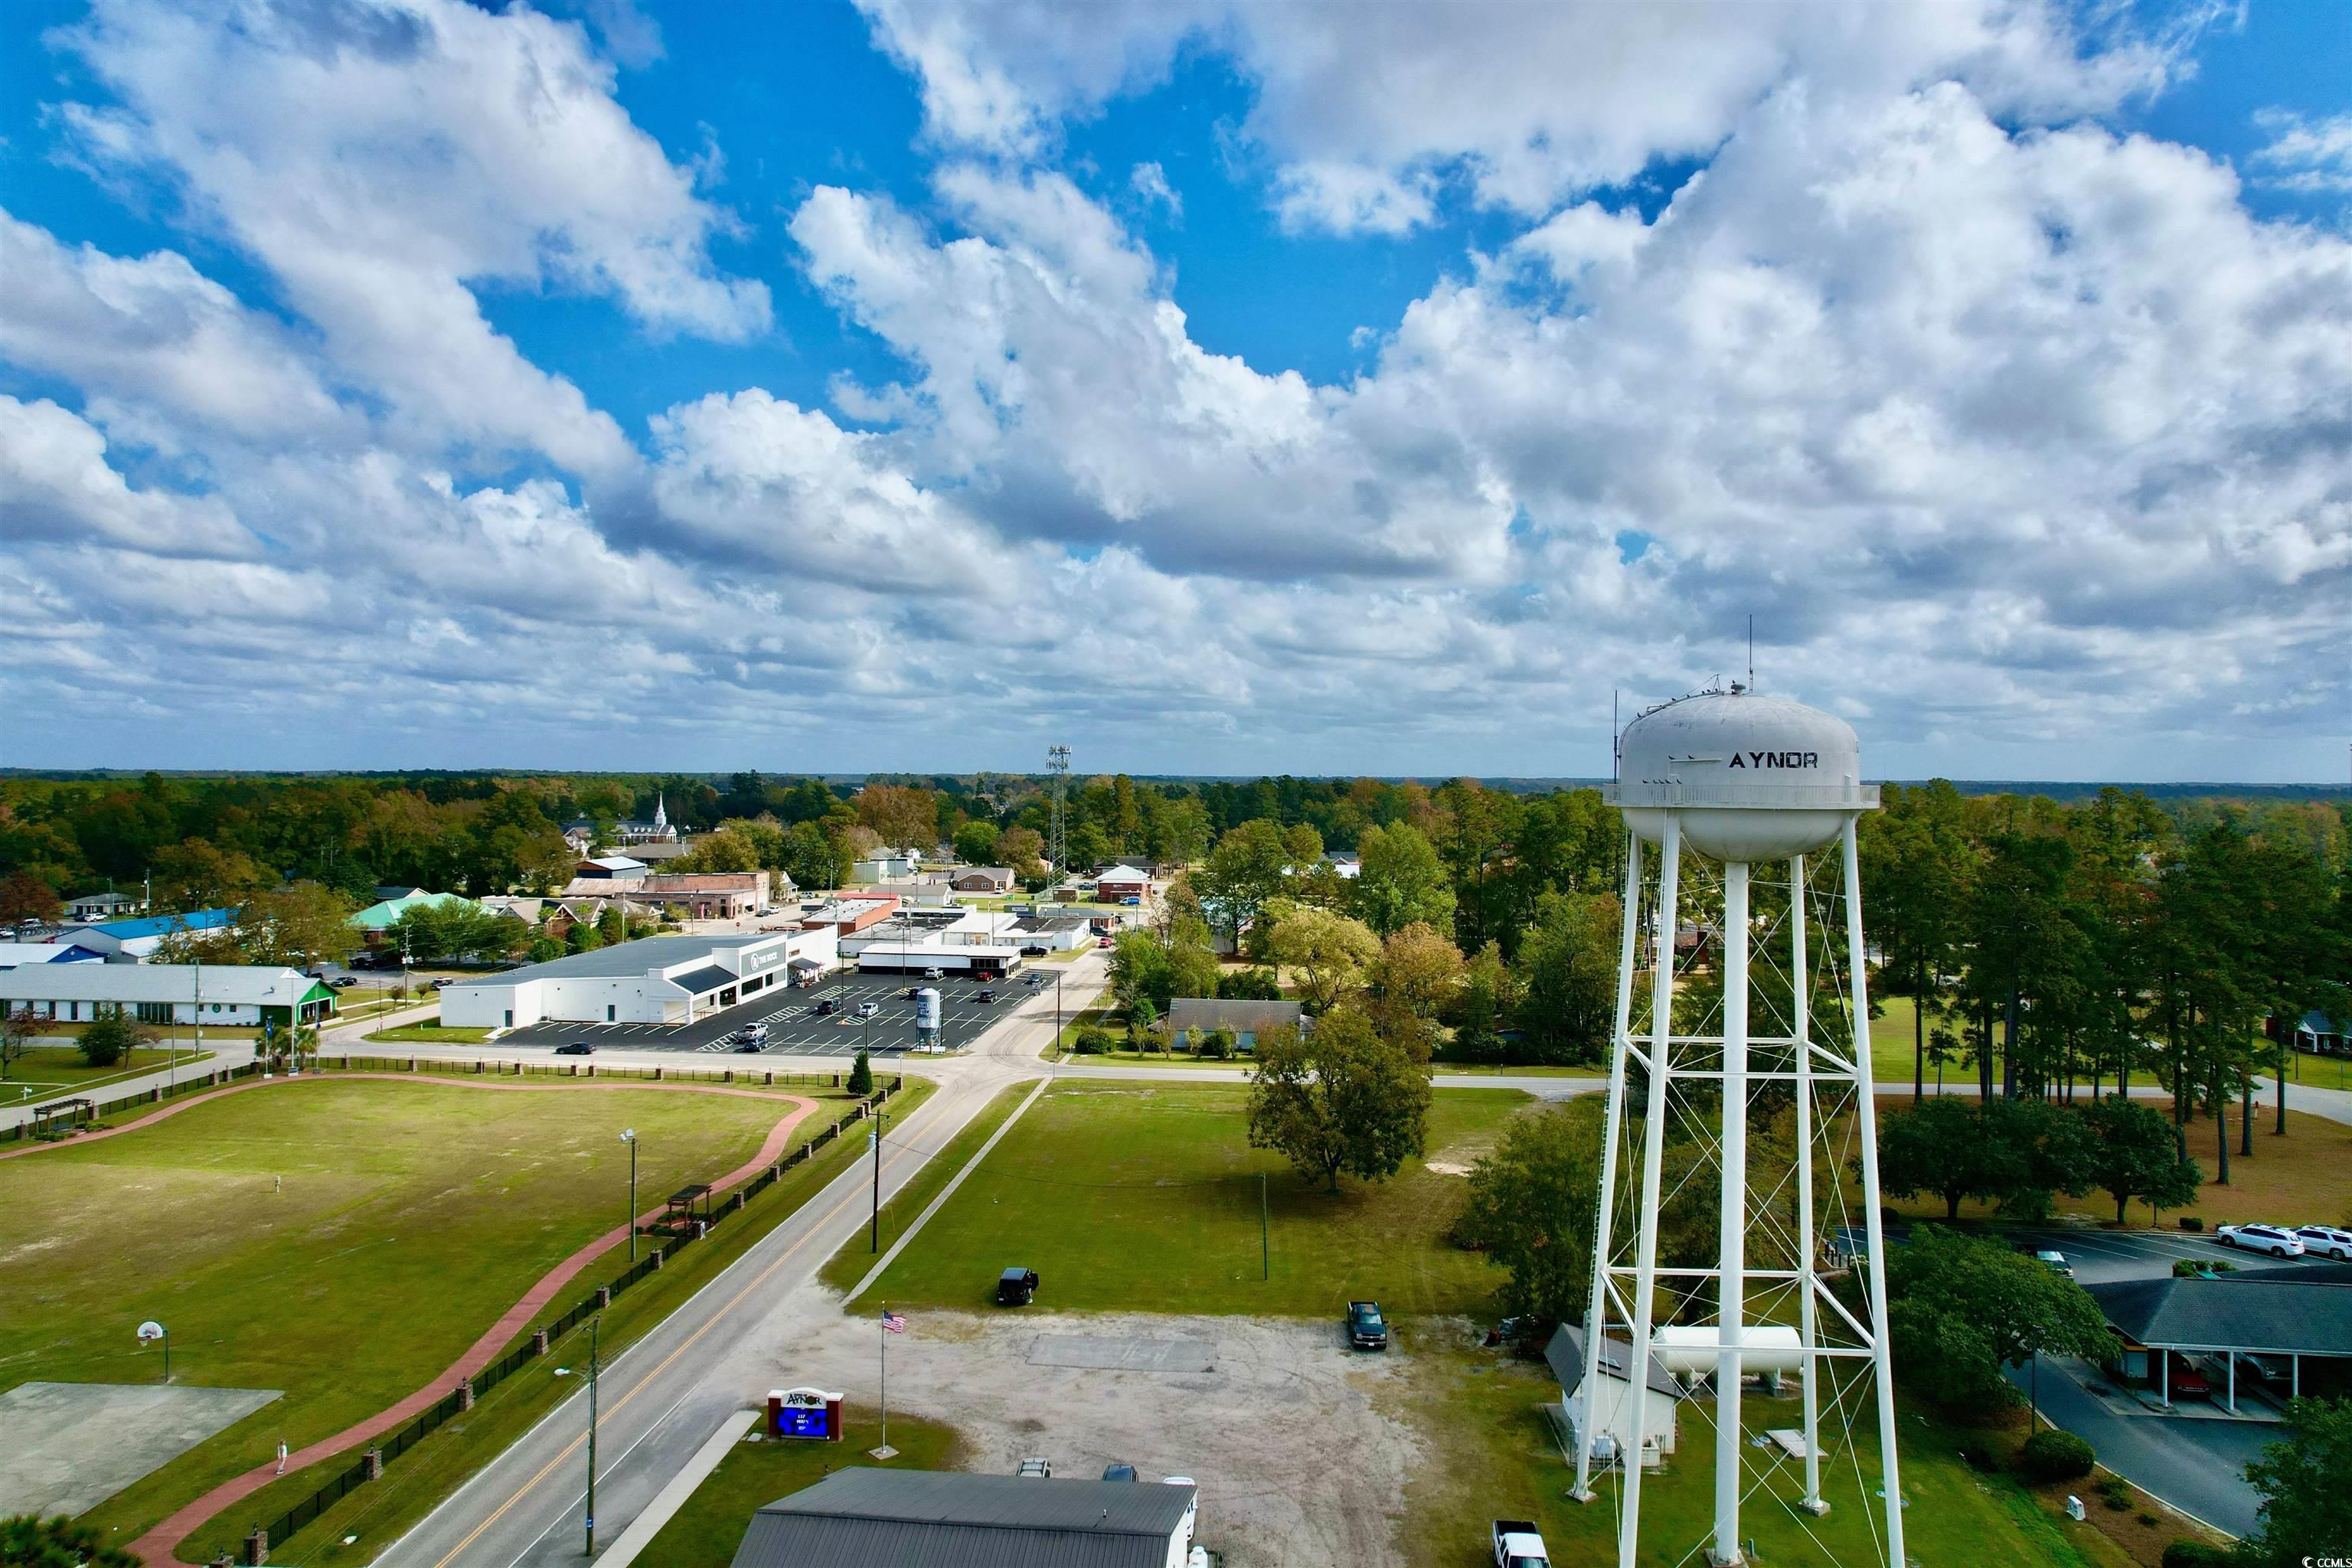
{"x": 865, "y": 1517}
{"x": 2252, "y": 1313}
{"x": 228, "y": 993}
{"x": 655, "y": 980}
{"x": 134, "y": 941}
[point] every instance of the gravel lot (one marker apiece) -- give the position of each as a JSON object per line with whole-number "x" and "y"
{"x": 1298, "y": 1466}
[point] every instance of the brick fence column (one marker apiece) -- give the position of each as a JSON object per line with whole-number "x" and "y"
{"x": 257, "y": 1548}
{"x": 656, "y": 1258}
{"x": 538, "y": 1342}
{"x": 465, "y": 1394}
{"x": 603, "y": 1295}
{"x": 373, "y": 1460}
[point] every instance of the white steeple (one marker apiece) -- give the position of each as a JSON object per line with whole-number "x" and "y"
{"x": 661, "y": 816}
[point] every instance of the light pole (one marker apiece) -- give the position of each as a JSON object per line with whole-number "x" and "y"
{"x": 629, "y": 1136}
{"x": 593, "y": 1324}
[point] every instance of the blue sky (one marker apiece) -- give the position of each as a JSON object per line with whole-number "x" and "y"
{"x": 1218, "y": 389}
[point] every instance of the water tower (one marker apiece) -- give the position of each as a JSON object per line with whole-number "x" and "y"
{"x": 1735, "y": 791}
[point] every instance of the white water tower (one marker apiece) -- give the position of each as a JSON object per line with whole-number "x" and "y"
{"x": 1750, "y": 786}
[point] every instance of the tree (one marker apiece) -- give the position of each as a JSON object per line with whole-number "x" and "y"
{"x": 29, "y": 1541}
{"x": 300, "y": 924}
{"x": 1531, "y": 1208}
{"x": 1568, "y": 970}
{"x": 1966, "y": 1307}
{"x": 1141, "y": 1017}
{"x": 975, "y": 843}
{"x": 1401, "y": 880}
{"x": 1914, "y": 867}
{"x": 729, "y": 849}
{"x": 1244, "y": 874}
{"x": 1024, "y": 849}
{"x": 902, "y": 816}
{"x": 1139, "y": 970}
{"x": 25, "y": 897}
{"x": 194, "y": 875}
{"x": 542, "y": 949}
{"x": 110, "y": 1037}
{"x": 1418, "y": 969}
{"x": 2304, "y": 1479}
{"x": 1942, "y": 1145}
{"x": 16, "y": 1032}
{"x": 861, "y": 1075}
{"x": 1252, "y": 984}
{"x": 2135, "y": 1154}
{"x": 1341, "y": 1099}
{"x": 1327, "y": 953}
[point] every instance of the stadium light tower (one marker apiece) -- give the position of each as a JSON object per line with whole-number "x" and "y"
{"x": 1763, "y": 1024}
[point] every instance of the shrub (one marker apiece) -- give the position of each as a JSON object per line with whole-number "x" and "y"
{"x": 109, "y": 1038}
{"x": 2147, "y": 1521}
{"x": 2115, "y": 1491}
{"x": 2190, "y": 1268}
{"x": 861, "y": 1075}
{"x": 2055, "y": 1456}
{"x": 1976, "y": 1456}
{"x": 1092, "y": 1041}
{"x": 1217, "y": 1044}
{"x": 2187, "y": 1552}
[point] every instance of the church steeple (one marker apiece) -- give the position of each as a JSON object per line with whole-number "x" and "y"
{"x": 661, "y": 816}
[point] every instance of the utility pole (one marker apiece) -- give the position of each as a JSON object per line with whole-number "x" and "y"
{"x": 874, "y": 1136}
{"x": 593, "y": 1324}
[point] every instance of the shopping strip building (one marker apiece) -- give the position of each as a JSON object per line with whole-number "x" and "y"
{"x": 655, "y": 980}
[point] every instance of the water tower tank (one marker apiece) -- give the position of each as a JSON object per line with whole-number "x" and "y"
{"x": 1752, "y": 778}
{"x": 926, "y": 1009}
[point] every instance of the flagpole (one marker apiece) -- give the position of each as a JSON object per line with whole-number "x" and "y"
{"x": 884, "y": 1451}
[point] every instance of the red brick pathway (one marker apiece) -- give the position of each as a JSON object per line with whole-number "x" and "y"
{"x": 159, "y": 1544}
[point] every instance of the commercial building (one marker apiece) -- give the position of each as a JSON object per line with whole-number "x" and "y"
{"x": 1122, "y": 883}
{"x": 611, "y": 868}
{"x": 384, "y": 913}
{"x": 852, "y": 912}
{"x": 863, "y": 1517}
{"x": 708, "y": 895}
{"x": 94, "y": 907}
{"x": 135, "y": 941}
{"x": 655, "y": 980}
{"x": 224, "y": 994}
{"x": 883, "y": 865}
{"x": 13, "y": 953}
{"x": 1610, "y": 1404}
{"x": 2225, "y": 1325}
{"x": 1192, "y": 1017}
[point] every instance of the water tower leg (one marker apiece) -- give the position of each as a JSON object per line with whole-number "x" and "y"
{"x": 1596, "y": 1311}
{"x": 1867, "y": 1132}
{"x": 1653, "y": 1145}
{"x": 1731, "y": 1280}
{"x": 1800, "y": 1025}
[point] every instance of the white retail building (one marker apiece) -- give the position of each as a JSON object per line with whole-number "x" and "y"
{"x": 655, "y": 980}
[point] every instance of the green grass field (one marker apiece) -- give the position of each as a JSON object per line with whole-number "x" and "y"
{"x": 1100, "y": 1177}
{"x": 431, "y": 1032}
{"x": 1500, "y": 1458}
{"x": 411, "y": 1215}
{"x": 848, "y": 1265}
{"x": 707, "y": 1531}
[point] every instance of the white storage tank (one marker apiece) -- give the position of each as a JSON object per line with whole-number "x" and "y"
{"x": 1751, "y": 778}
{"x": 926, "y": 1009}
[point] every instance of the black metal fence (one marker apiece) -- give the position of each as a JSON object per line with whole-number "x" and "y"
{"x": 194, "y": 1083}
{"x": 279, "y": 1530}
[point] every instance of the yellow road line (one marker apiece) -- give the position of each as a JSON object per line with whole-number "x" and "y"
{"x": 709, "y": 1324}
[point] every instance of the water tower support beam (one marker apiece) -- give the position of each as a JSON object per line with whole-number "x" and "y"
{"x": 1867, "y": 1132}
{"x": 1654, "y": 1149}
{"x": 1596, "y": 1310}
{"x": 1731, "y": 1286}
{"x": 1808, "y": 1249}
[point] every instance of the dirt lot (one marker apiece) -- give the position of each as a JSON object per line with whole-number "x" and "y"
{"x": 1297, "y": 1465}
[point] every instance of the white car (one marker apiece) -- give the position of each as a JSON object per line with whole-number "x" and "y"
{"x": 869, "y": 1009}
{"x": 2325, "y": 1241}
{"x": 2276, "y": 1240}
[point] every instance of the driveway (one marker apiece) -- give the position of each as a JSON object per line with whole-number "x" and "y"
{"x": 2196, "y": 1464}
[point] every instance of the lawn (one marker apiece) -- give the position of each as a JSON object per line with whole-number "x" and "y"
{"x": 707, "y": 1531}
{"x": 1500, "y": 1458}
{"x": 1147, "y": 1197}
{"x": 845, "y": 1268}
{"x": 57, "y": 1069}
{"x": 431, "y": 1032}
{"x": 395, "y": 1196}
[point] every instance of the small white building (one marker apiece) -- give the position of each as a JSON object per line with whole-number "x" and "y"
{"x": 226, "y": 993}
{"x": 1611, "y": 1404}
{"x": 655, "y": 980}
{"x": 103, "y": 907}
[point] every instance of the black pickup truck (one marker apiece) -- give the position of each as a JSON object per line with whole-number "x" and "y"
{"x": 1367, "y": 1329}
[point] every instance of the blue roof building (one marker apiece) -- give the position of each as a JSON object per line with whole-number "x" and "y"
{"x": 135, "y": 941}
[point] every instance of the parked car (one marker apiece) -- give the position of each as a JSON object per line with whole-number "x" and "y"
{"x": 1037, "y": 1468}
{"x": 1130, "y": 898}
{"x": 1017, "y": 1287}
{"x": 441, "y": 983}
{"x": 2325, "y": 1241}
{"x": 1035, "y": 950}
{"x": 576, "y": 1048}
{"x": 2184, "y": 1380}
{"x": 1367, "y": 1329}
{"x": 1105, "y": 942}
{"x": 2054, "y": 1261}
{"x": 983, "y": 994}
{"x": 2276, "y": 1240}
{"x": 869, "y": 1009}
{"x": 933, "y": 973}
{"x": 1518, "y": 1545}
{"x": 345, "y": 981}
{"x": 1117, "y": 1472}
{"x": 826, "y": 1006}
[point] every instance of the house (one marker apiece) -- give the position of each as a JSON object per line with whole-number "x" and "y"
{"x": 1190, "y": 1019}
{"x": 1122, "y": 883}
{"x": 135, "y": 941}
{"x": 885, "y": 865}
{"x": 13, "y": 953}
{"x": 107, "y": 906}
{"x": 989, "y": 880}
{"x": 1612, "y": 1403}
{"x": 2327, "y": 1036}
{"x": 2160, "y": 1323}
{"x": 224, "y": 994}
{"x": 860, "y": 1517}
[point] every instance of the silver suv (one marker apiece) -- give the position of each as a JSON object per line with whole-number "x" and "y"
{"x": 2325, "y": 1241}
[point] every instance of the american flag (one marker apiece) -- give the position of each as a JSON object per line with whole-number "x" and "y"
{"x": 892, "y": 1324}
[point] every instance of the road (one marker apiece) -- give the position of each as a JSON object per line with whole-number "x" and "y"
{"x": 2195, "y": 1463}
{"x": 664, "y": 1395}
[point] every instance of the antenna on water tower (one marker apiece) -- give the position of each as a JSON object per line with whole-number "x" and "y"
{"x": 1751, "y": 653}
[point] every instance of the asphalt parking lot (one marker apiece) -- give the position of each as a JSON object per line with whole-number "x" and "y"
{"x": 794, "y": 1028}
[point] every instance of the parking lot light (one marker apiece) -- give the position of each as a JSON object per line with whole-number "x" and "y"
{"x": 629, "y": 1136}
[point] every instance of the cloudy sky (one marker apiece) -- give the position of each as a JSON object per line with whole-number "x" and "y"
{"x": 1211, "y": 386}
